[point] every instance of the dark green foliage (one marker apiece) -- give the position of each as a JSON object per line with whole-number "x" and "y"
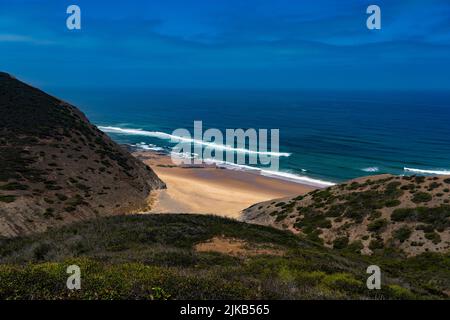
{"x": 377, "y": 225}
{"x": 340, "y": 243}
{"x": 16, "y": 164}
{"x": 152, "y": 257}
{"x": 437, "y": 217}
{"x": 402, "y": 234}
{"x": 375, "y": 215}
{"x": 7, "y": 199}
{"x": 357, "y": 205}
{"x": 280, "y": 217}
{"x": 403, "y": 214}
{"x": 49, "y": 213}
{"x": 311, "y": 221}
{"x": 425, "y": 227}
{"x": 14, "y": 186}
{"x": 314, "y": 236}
{"x": 433, "y": 236}
{"x": 421, "y": 197}
{"x": 355, "y": 247}
{"x": 410, "y": 186}
{"x": 353, "y": 186}
{"x": 376, "y": 244}
{"x": 392, "y": 203}
{"x": 61, "y": 197}
{"x": 433, "y": 185}
{"x": 419, "y": 179}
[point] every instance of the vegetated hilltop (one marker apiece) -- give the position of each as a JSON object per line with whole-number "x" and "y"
{"x": 175, "y": 256}
{"x": 56, "y": 167}
{"x": 410, "y": 214}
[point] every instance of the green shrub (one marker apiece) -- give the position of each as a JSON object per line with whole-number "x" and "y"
{"x": 14, "y": 186}
{"x": 392, "y": 203}
{"x": 402, "y": 234}
{"x": 434, "y": 185}
{"x": 425, "y": 227}
{"x": 314, "y": 236}
{"x": 353, "y": 186}
{"x": 7, "y": 199}
{"x": 49, "y": 201}
{"x": 49, "y": 212}
{"x": 421, "y": 197}
{"x": 326, "y": 224}
{"x": 70, "y": 209}
{"x": 41, "y": 250}
{"x": 400, "y": 292}
{"x": 355, "y": 246}
{"x": 402, "y": 214}
{"x": 419, "y": 179}
{"x": 313, "y": 278}
{"x": 377, "y": 225}
{"x": 376, "y": 244}
{"x": 61, "y": 197}
{"x": 340, "y": 243}
{"x": 433, "y": 236}
{"x": 344, "y": 282}
{"x": 159, "y": 294}
{"x": 375, "y": 215}
{"x": 280, "y": 204}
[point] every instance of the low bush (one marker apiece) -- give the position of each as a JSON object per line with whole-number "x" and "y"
{"x": 377, "y": 225}
{"x": 7, "y": 199}
{"x": 340, "y": 243}
{"x": 421, "y": 197}
{"x": 402, "y": 234}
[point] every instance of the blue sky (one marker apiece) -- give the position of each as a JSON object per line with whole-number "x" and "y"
{"x": 318, "y": 44}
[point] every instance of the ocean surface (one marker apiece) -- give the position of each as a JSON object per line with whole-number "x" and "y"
{"x": 325, "y": 137}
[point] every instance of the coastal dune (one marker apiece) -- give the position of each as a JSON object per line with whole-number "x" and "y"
{"x": 212, "y": 190}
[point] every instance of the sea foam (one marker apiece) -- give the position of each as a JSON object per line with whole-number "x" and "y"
{"x": 273, "y": 174}
{"x": 370, "y": 169}
{"x": 439, "y": 172}
{"x": 145, "y": 146}
{"x": 225, "y": 164}
{"x": 167, "y": 136}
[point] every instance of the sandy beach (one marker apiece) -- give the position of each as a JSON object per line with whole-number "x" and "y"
{"x": 212, "y": 190}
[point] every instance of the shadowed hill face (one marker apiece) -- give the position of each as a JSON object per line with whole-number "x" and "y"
{"x": 27, "y": 110}
{"x": 56, "y": 167}
{"x": 367, "y": 215}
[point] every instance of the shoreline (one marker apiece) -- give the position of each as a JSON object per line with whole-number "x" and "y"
{"x": 211, "y": 189}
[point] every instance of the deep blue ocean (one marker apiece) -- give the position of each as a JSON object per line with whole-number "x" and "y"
{"x": 332, "y": 136}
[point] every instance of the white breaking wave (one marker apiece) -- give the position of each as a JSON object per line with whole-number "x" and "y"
{"x": 269, "y": 173}
{"x": 371, "y": 169}
{"x": 145, "y": 146}
{"x": 440, "y": 172}
{"x": 166, "y": 136}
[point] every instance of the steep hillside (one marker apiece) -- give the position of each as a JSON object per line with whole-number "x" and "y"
{"x": 56, "y": 167}
{"x": 411, "y": 214}
{"x": 202, "y": 257}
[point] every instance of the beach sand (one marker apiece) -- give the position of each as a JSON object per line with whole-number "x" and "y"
{"x": 211, "y": 190}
